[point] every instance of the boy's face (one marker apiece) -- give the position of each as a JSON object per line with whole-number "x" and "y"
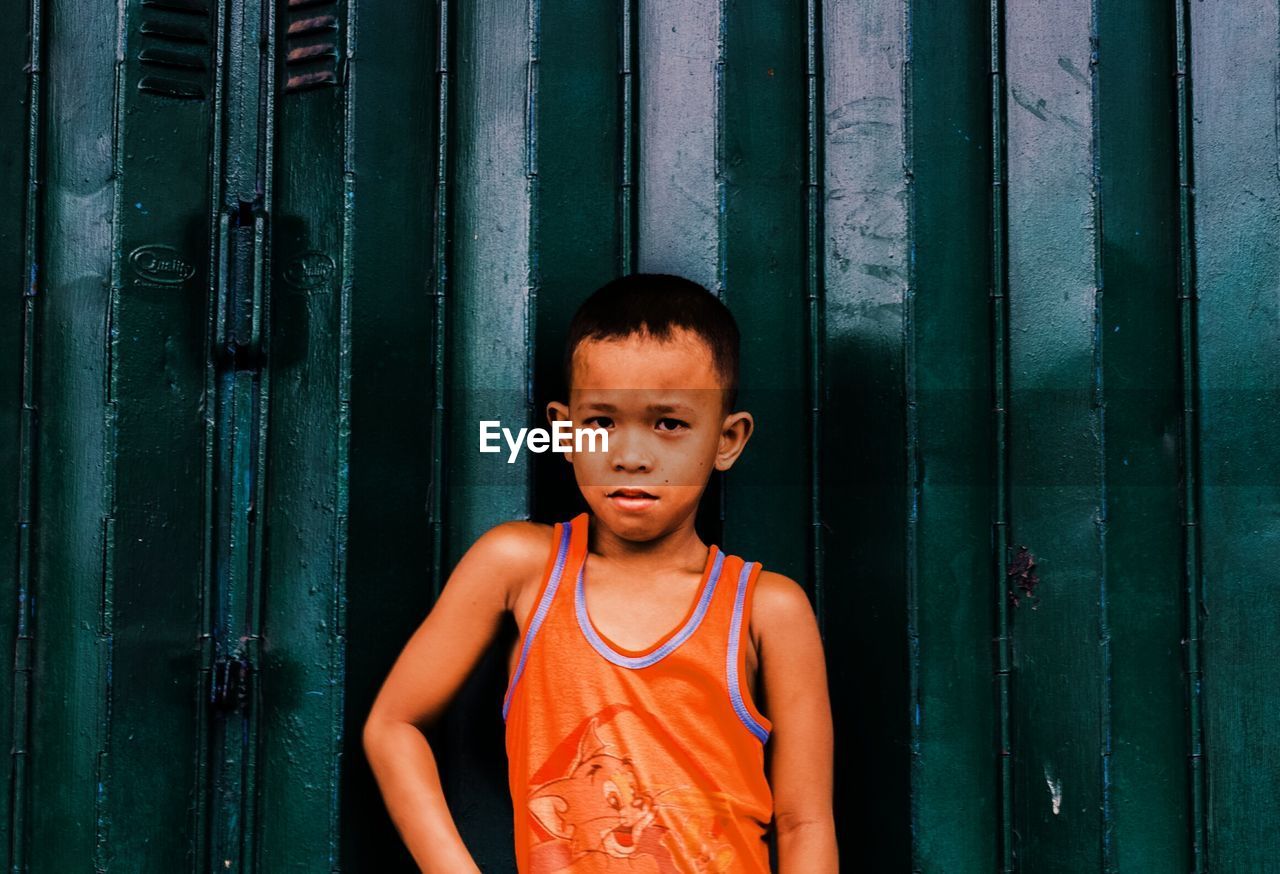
{"x": 662, "y": 404}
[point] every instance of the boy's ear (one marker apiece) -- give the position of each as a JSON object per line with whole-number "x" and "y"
{"x": 734, "y": 434}
{"x": 558, "y": 412}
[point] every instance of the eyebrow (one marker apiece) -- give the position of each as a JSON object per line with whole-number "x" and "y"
{"x": 652, "y": 408}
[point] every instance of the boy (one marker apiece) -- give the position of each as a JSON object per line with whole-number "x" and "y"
{"x": 633, "y": 736}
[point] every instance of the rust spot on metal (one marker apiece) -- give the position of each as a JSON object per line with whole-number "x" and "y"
{"x": 311, "y": 57}
{"x": 1022, "y": 578}
{"x": 303, "y": 53}
{"x": 311, "y": 25}
{"x": 310, "y": 80}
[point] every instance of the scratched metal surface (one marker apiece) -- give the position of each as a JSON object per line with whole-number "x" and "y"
{"x": 295, "y": 813}
{"x": 1237, "y": 267}
{"x": 866, "y": 249}
{"x": 493, "y": 286}
{"x": 16, "y": 426}
{"x": 1005, "y": 279}
{"x": 680, "y": 50}
{"x": 1061, "y": 658}
{"x": 68, "y": 710}
{"x": 71, "y": 654}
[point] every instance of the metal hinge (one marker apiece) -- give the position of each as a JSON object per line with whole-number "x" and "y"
{"x": 229, "y": 686}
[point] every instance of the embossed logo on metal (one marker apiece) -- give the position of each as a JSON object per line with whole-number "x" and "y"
{"x": 160, "y": 265}
{"x": 309, "y": 270}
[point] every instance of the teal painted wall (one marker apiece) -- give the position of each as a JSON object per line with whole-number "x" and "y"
{"x": 1006, "y": 276}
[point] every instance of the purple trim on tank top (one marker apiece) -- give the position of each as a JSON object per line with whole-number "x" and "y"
{"x": 544, "y": 605}
{"x": 622, "y": 661}
{"x": 735, "y": 630}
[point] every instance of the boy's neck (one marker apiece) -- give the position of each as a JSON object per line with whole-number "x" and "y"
{"x": 681, "y": 547}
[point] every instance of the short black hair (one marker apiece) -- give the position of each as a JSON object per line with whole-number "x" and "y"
{"x": 658, "y": 303}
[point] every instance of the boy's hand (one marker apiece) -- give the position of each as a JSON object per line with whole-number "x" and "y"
{"x": 426, "y": 676}
{"x": 794, "y": 691}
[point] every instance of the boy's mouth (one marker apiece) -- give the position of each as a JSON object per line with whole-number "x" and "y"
{"x": 632, "y": 499}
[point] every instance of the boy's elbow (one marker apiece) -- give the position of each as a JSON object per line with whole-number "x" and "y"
{"x": 380, "y": 730}
{"x": 369, "y": 735}
{"x": 374, "y": 734}
{"x": 787, "y": 822}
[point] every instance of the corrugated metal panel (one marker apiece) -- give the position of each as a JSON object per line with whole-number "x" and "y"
{"x": 396, "y": 83}
{"x": 308, "y": 406}
{"x": 1009, "y": 313}
{"x": 19, "y": 157}
{"x": 1236, "y": 373}
{"x": 69, "y": 724}
{"x": 1057, "y": 438}
{"x": 1141, "y": 387}
{"x": 865, "y": 501}
{"x": 954, "y": 525}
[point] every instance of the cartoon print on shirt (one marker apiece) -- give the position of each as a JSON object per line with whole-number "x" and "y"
{"x": 709, "y": 855}
{"x": 600, "y": 810}
{"x": 604, "y": 815}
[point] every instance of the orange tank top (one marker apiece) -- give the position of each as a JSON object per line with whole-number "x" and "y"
{"x": 641, "y": 761}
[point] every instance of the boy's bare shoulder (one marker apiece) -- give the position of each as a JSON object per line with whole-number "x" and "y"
{"x": 516, "y": 551}
{"x": 516, "y": 541}
{"x": 779, "y": 607}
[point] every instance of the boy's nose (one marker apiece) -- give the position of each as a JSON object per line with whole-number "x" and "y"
{"x": 632, "y": 463}
{"x": 630, "y": 455}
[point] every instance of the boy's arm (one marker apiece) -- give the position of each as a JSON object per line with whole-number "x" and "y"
{"x": 794, "y": 692}
{"x": 428, "y": 673}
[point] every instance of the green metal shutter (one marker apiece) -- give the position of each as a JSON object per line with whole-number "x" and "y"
{"x": 1006, "y": 278}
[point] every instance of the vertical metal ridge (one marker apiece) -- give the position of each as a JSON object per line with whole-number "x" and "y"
{"x": 24, "y": 638}
{"x": 533, "y": 28}
{"x": 255, "y": 582}
{"x": 1000, "y": 424}
{"x": 439, "y": 294}
{"x": 1099, "y": 407}
{"x": 338, "y": 638}
{"x": 814, "y": 229}
{"x": 719, "y": 163}
{"x": 110, "y": 422}
{"x": 628, "y": 83}
{"x": 241, "y": 401}
{"x": 1194, "y": 595}
{"x": 912, "y": 433}
{"x": 202, "y": 806}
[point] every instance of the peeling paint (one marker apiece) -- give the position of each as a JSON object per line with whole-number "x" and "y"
{"x": 1023, "y": 579}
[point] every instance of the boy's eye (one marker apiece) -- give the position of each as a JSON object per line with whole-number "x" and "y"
{"x": 669, "y": 424}
{"x": 599, "y": 422}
